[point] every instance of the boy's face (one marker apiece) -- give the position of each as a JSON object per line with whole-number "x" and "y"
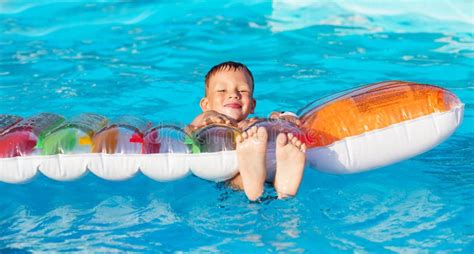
{"x": 230, "y": 92}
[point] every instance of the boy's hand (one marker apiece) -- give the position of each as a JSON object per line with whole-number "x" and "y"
{"x": 289, "y": 118}
{"x": 218, "y": 118}
{"x": 211, "y": 117}
{"x": 242, "y": 125}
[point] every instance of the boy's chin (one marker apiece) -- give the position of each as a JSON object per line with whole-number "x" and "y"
{"x": 235, "y": 116}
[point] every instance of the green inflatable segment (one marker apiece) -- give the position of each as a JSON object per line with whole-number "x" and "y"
{"x": 195, "y": 148}
{"x": 59, "y": 142}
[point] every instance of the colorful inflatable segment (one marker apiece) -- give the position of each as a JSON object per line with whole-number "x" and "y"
{"x": 351, "y": 132}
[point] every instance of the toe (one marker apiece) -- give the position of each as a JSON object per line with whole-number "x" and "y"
{"x": 303, "y": 147}
{"x": 297, "y": 143}
{"x": 239, "y": 138}
{"x": 293, "y": 140}
{"x": 290, "y": 136}
{"x": 252, "y": 130}
{"x": 281, "y": 139}
{"x": 262, "y": 133}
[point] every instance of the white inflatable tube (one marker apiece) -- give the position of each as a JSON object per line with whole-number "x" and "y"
{"x": 385, "y": 146}
{"x": 160, "y": 167}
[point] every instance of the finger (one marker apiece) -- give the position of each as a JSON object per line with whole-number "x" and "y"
{"x": 217, "y": 119}
{"x": 275, "y": 115}
{"x": 290, "y": 118}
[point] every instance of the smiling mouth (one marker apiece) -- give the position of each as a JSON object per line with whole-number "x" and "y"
{"x": 233, "y": 105}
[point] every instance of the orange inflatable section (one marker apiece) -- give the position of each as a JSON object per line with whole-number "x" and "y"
{"x": 373, "y": 107}
{"x": 105, "y": 141}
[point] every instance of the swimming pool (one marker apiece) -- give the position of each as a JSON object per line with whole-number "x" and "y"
{"x": 150, "y": 59}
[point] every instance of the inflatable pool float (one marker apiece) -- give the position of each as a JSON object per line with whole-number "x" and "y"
{"x": 378, "y": 125}
{"x": 354, "y": 131}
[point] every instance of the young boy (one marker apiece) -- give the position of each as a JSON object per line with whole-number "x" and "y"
{"x": 229, "y": 100}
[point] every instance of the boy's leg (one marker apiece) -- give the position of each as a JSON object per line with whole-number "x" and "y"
{"x": 236, "y": 182}
{"x": 290, "y": 161}
{"x": 251, "y": 153}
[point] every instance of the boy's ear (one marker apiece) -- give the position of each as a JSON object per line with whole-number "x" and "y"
{"x": 204, "y": 104}
{"x": 254, "y": 104}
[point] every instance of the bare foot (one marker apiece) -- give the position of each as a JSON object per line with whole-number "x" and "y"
{"x": 251, "y": 153}
{"x": 290, "y": 160}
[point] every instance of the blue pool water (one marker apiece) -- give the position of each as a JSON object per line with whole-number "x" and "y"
{"x": 149, "y": 59}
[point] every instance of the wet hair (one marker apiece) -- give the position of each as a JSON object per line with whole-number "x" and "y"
{"x": 229, "y": 65}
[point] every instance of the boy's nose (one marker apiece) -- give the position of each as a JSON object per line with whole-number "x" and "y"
{"x": 233, "y": 95}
